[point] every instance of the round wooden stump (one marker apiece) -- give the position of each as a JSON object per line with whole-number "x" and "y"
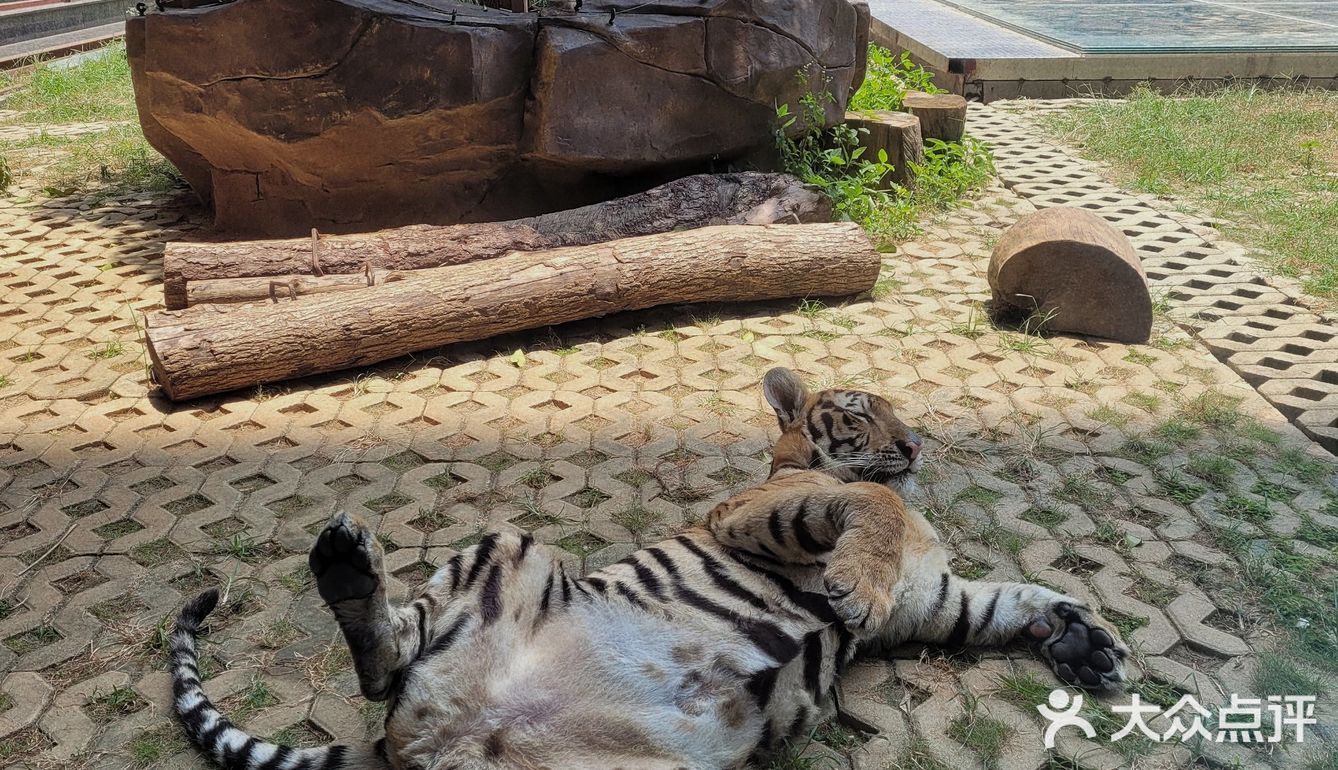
{"x": 942, "y": 116}
{"x": 1073, "y": 272}
{"x": 897, "y": 134}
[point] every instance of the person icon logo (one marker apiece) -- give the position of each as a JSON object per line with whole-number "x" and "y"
{"x": 1063, "y": 712}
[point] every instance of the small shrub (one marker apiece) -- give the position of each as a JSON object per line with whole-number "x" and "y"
{"x": 887, "y": 80}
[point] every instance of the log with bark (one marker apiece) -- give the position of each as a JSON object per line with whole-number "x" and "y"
{"x": 196, "y": 272}
{"x": 214, "y": 348}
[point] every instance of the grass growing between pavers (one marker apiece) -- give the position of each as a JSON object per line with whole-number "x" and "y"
{"x": 109, "y": 161}
{"x": 1266, "y": 162}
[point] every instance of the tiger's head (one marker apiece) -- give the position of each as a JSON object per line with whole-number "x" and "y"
{"x": 849, "y": 434}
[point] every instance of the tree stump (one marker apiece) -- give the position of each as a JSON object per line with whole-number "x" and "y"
{"x": 1073, "y": 272}
{"x": 942, "y": 116}
{"x": 209, "y": 349}
{"x": 898, "y": 133}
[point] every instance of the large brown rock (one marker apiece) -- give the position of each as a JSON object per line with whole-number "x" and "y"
{"x": 350, "y": 115}
{"x": 1071, "y": 271}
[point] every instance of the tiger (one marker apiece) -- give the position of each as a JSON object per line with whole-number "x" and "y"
{"x": 706, "y": 651}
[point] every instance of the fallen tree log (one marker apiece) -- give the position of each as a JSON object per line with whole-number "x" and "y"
{"x": 205, "y": 350}
{"x": 694, "y": 201}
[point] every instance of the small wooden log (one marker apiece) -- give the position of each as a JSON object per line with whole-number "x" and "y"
{"x": 1067, "y": 269}
{"x": 942, "y": 116}
{"x": 204, "y": 350}
{"x": 897, "y": 133}
{"x": 693, "y": 201}
{"x": 220, "y": 291}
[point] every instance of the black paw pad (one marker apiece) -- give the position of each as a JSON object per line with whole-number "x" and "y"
{"x": 1084, "y": 655}
{"x": 343, "y": 561}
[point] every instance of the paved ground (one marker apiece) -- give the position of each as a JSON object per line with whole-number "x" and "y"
{"x": 1077, "y": 463}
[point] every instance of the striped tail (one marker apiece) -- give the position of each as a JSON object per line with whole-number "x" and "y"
{"x": 230, "y": 747}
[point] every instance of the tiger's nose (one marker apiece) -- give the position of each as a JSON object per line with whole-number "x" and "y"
{"x": 910, "y": 446}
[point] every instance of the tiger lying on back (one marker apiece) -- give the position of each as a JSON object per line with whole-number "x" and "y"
{"x": 704, "y": 651}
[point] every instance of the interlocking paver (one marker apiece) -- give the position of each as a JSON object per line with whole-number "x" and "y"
{"x": 116, "y": 505}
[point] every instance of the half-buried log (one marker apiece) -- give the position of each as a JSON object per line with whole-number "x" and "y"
{"x": 693, "y": 201}
{"x": 204, "y": 350}
{"x": 942, "y": 116}
{"x": 1071, "y": 271}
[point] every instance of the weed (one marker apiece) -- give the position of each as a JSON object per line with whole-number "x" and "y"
{"x": 278, "y": 635}
{"x": 241, "y": 545}
{"x": 1145, "y": 451}
{"x": 1152, "y": 592}
{"x": 1212, "y": 410}
{"x": 638, "y": 520}
{"x": 31, "y": 640}
{"x": 103, "y": 707}
{"x": 971, "y": 328}
{"x": 1024, "y": 691}
{"x": 251, "y": 701}
{"x": 1175, "y": 487}
{"x": 1044, "y": 517}
{"x": 985, "y": 498}
{"x": 984, "y": 735}
{"x": 1302, "y": 467}
{"x": 1135, "y": 356}
{"x": 1310, "y": 532}
{"x": 1247, "y": 508}
{"x": 1177, "y": 431}
{"x": 887, "y": 80}
{"x": 994, "y": 536}
{"x": 1023, "y": 343}
{"x": 1156, "y": 691}
{"x": 1145, "y": 401}
{"x": 1279, "y": 675}
{"x": 109, "y": 349}
{"x": 837, "y": 736}
{"x": 149, "y": 746}
{"x": 1215, "y": 470}
{"x": 1078, "y": 488}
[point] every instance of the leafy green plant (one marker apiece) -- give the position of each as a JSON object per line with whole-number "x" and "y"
{"x": 887, "y": 80}
{"x": 831, "y": 160}
{"x": 858, "y": 186}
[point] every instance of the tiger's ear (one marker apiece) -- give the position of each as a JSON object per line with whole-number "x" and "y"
{"x": 786, "y": 394}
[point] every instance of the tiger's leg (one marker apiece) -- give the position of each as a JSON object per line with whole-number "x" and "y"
{"x": 1079, "y": 646}
{"x": 346, "y": 560}
{"x": 855, "y": 531}
{"x": 385, "y": 639}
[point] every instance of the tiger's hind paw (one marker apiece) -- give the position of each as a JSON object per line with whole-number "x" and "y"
{"x": 346, "y": 560}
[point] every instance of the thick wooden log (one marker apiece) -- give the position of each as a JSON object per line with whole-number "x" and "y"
{"x": 942, "y": 116}
{"x": 206, "y": 349}
{"x": 1067, "y": 269}
{"x": 896, "y": 133}
{"x": 694, "y": 201}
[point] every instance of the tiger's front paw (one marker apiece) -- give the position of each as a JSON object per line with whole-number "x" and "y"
{"x": 859, "y": 592}
{"x": 1080, "y": 647}
{"x": 346, "y": 560}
